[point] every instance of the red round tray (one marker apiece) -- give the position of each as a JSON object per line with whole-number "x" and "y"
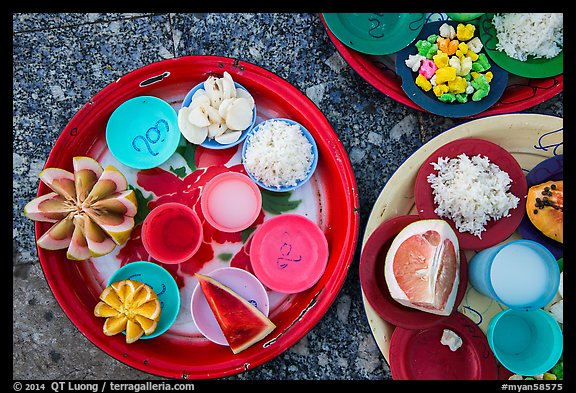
{"x": 520, "y": 94}
{"x": 177, "y": 353}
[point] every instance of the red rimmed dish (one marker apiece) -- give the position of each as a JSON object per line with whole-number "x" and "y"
{"x": 374, "y": 284}
{"x": 379, "y": 71}
{"x": 495, "y": 230}
{"x": 330, "y": 199}
{"x": 418, "y": 354}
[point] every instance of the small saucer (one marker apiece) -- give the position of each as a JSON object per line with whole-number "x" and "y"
{"x": 240, "y": 281}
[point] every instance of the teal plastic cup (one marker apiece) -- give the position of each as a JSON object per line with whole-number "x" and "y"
{"x": 527, "y": 343}
{"x": 161, "y": 282}
{"x": 520, "y": 274}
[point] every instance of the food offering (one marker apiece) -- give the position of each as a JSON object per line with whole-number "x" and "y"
{"x": 452, "y": 65}
{"x": 525, "y": 44}
{"x": 422, "y": 267}
{"x": 380, "y": 71}
{"x": 147, "y": 234}
{"x": 447, "y": 72}
{"x": 544, "y": 219}
{"x": 475, "y": 185}
{"x": 280, "y": 155}
{"x": 390, "y": 302}
{"x": 129, "y": 306}
{"x": 242, "y": 323}
{"x": 92, "y": 209}
{"x": 545, "y": 208}
{"x": 524, "y": 274}
{"x": 217, "y": 113}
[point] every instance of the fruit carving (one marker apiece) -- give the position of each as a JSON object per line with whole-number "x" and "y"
{"x": 92, "y": 209}
{"x": 422, "y": 267}
{"x": 130, "y": 306}
{"x": 545, "y": 208}
{"x": 241, "y": 322}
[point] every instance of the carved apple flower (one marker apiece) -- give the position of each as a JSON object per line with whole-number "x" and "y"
{"x": 92, "y": 209}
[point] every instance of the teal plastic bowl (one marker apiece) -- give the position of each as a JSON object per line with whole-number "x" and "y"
{"x": 161, "y": 282}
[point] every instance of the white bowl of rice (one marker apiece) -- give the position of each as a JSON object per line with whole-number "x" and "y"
{"x": 280, "y": 154}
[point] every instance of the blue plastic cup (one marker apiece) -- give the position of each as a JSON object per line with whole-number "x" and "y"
{"x": 520, "y": 274}
{"x": 527, "y": 343}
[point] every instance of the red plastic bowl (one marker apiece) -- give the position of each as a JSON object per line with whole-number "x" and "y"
{"x": 172, "y": 355}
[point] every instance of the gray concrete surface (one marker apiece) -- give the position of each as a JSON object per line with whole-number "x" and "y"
{"x": 60, "y": 61}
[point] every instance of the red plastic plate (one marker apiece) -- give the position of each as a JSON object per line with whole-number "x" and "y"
{"x": 419, "y": 354}
{"x": 76, "y": 285}
{"x": 379, "y": 71}
{"x": 374, "y": 284}
{"x": 496, "y": 231}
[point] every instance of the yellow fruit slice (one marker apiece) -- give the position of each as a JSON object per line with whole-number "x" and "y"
{"x": 115, "y": 325}
{"x": 149, "y": 325}
{"x": 129, "y": 306}
{"x": 110, "y": 297}
{"x": 104, "y": 310}
{"x": 143, "y": 295}
{"x": 133, "y": 331}
{"x": 125, "y": 289}
{"x": 150, "y": 310}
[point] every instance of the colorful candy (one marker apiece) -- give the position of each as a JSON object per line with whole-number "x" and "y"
{"x": 451, "y": 65}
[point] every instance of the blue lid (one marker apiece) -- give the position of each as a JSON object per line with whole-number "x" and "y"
{"x": 143, "y": 132}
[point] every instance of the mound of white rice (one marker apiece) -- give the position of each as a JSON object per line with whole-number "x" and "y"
{"x": 278, "y": 154}
{"x": 471, "y": 192}
{"x": 520, "y": 35}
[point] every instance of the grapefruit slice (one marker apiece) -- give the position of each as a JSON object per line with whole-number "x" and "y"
{"x": 241, "y": 322}
{"x": 422, "y": 266}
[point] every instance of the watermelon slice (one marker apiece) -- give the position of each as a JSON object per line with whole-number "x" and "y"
{"x": 241, "y": 322}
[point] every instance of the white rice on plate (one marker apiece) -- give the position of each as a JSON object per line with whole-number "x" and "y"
{"x": 471, "y": 192}
{"x": 520, "y": 35}
{"x": 278, "y": 154}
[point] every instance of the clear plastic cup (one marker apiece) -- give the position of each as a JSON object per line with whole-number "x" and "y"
{"x": 527, "y": 343}
{"x": 520, "y": 274}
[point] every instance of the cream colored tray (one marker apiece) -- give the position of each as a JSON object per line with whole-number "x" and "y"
{"x": 530, "y": 138}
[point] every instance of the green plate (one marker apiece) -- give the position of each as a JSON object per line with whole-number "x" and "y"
{"x": 375, "y": 33}
{"x": 531, "y": 68}
{"x": 464, "y": 16}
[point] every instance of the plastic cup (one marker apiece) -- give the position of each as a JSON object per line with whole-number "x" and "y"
{"x": 172, "y": 233}
{"x": 161, "y": 282}
{"x": 231, "y": 202}
{"x": 521, "y": 274}
{"x": 527, "y": 343}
